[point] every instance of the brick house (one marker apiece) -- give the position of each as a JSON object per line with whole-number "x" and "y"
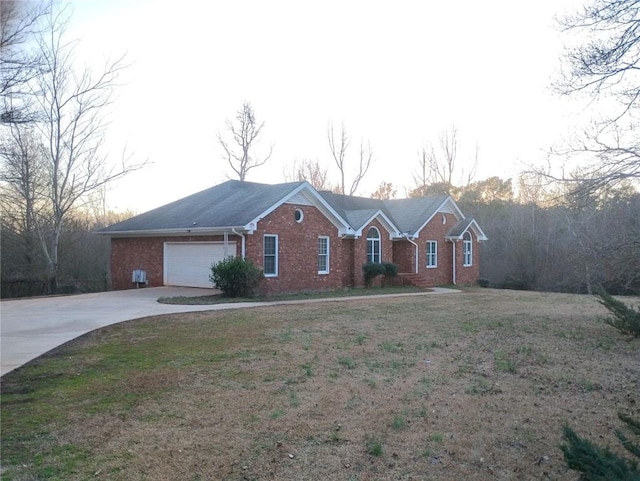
{"x": 302, "y": 239}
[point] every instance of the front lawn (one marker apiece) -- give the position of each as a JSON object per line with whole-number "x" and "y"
{"x": 472, "y": 386}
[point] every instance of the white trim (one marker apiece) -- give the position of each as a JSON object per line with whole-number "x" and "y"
{"x": 197, "y": 231}
{"x": 328, "y": 254}
{"x": 385, "y": 221}
{"x": 316, "y": 199}
{"x": 271, "y": 274}
{"x": 435, "y": 254}
{"x": 467, "y": 243}
{"x": 374, "y": 239}
{"x": 473, "y": 225}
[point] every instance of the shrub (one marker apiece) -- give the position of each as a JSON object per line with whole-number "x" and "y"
{"x": 626, "y": 319}
{"x": 390, "y": 269}
{"x": 483, "y": 282}
{"x": 602, "y": 464}
{"x": 371, "y": 271}
{"x": 236, "y": 277}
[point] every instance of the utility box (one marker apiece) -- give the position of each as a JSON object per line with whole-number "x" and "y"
{"x": 139, "y": 278}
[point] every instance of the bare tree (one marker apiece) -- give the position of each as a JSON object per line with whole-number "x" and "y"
{"x": 385, "y": 190}
{"x": 312, "y": 172}
{"x": 606, "y": 66}
{"x": 19, "y": 25}
{"x": 439, "y": 167}
{"x": 71, "y": 125}
{"x": 339, "y": 149}
{"x": 23, "y": 195}
{"x": 245, "y": 134}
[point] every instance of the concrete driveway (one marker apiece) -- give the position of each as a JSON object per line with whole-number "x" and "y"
{"x": 32, "y": 327}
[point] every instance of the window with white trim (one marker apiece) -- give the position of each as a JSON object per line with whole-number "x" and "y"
{"x": 432, "y": 254}
{"x": 467, "y": 250}
{"x": 373, "y": 246}
{"x": 270, "y": 256}
{"x": 323, "y": 255}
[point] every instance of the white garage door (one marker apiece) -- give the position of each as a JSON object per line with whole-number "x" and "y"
{"x": 189, "y": 263}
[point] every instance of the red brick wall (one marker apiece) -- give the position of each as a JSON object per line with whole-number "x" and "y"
{"x": 298, "y": 250}
{"x": 436, "y": 230}
{"x": 147, "y": 253}
{"x": 404, "y": 256}
{"x": 468, "y": 275}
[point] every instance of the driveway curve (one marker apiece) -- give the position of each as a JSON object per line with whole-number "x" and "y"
{"x": 32, "y": 327}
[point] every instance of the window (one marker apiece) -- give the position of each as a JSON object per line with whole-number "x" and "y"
{"x": 373, "y": 246}
{"x": 432, "y": 254}
{"x": 270, "y": 260}
{"x": 323, "y": 255}
{"x": 467, "y": 250}
{"x": 298, "y": 215}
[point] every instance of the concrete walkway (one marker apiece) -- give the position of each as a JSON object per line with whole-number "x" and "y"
{"x": 32, "y": 327}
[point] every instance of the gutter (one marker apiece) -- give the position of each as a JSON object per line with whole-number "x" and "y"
{"x": 169, "y": 232}
{"x": 243, "y": 240}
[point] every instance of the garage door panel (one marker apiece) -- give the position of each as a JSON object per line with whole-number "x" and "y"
{"x": 188, "y": 264}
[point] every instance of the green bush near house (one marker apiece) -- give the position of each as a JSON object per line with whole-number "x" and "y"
{"x": 236, "y": 277}
{"x": 373, "y": 269}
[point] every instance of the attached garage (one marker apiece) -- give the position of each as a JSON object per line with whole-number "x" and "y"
{"x": 188, "y": 264}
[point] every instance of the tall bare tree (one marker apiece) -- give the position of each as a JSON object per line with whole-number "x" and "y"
{"x": 244, "y": 133}
{"x": 439, "y": 171}
{"x": 20, "y": 23}
{"x": 605, "y": 66}
{"x": 339, "y": 147}
{"x": 23, "y": 195}
{"x": 71, "y": 121}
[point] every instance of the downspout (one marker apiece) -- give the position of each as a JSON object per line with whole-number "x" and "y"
{"x": 243, "y": 240}
{"x": 416, "y": 266}
{"x": 454, "y": 261}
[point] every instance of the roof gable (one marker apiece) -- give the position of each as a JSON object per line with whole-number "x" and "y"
{"x": 413, "y": 214}
{"x": 457, "y": 231}
{"x": 227, "y": 205}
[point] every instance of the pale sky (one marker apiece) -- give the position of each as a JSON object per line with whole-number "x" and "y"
{"x": 396, "y": 73}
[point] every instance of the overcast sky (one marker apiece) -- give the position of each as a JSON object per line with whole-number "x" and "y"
{"x": 395, "y": 73}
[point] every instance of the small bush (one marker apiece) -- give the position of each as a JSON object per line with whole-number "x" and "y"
{"x": 602, "y": 464}
{"x": 371, "y": 271}
{"x": 626, "y": 319}
{"x": 236, "y": 277}
{"x": 390, "y": 269}
{"x": 483, "y": 282}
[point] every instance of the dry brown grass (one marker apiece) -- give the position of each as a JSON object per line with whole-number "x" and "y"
{"x": 471, "y": 386}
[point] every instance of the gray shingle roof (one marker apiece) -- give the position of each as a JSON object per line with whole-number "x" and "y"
{"x": 235, "y": 204}
{"x": 411, "y": 214}
{"x": 407, "y": 214}
{"x": 231, "y": 204}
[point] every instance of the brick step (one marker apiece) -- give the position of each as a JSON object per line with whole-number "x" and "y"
{"x": 413, "y": 279}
